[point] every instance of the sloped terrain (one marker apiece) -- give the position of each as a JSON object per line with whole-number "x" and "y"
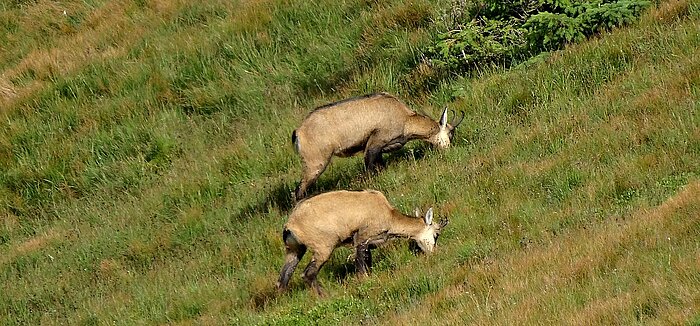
{"x": 146, "y": 168}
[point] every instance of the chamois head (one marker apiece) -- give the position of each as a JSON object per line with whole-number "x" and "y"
{"x": 427, "y": 238}
{"x": 443, "y": 137}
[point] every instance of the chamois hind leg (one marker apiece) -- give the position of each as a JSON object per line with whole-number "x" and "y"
{"x": 312, "y": 269}
{"x": 295, "y": 251}
{"x": 311, "y": 171}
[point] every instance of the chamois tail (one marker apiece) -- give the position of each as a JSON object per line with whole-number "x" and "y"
{"x": 295, "y": 140}
{"x": 285, "y": 234}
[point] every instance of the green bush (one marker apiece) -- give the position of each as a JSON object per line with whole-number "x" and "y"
{"x": 550, "y": 31}
{"x": 477, "y": 42}
{"x": 609, "y": 15}
{"x": 500, "y": 31}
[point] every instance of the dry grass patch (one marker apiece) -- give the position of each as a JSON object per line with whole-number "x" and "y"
{"x": 670, "y": 10}
{"x": 106, "y": 35}
{"x": 252, "y": 15}
{"x": 7, "y": 89}
{"x": 33, "y": 244}
{"x": 37, "y": 242}
{"x": 585, "y": 275}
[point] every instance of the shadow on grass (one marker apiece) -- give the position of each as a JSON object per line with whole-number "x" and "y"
{"x": 278, "y": 196}
{"x": 264, "y": 298}
{"x": 408, "y": 153}
{"x": 341, "y": 271}
{"x": 346, "y": 176}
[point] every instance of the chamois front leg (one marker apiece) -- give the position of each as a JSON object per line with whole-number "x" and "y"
{"x": 363, "y": 259}
{"x": 373, "y": 159}
{"x": 363, "y": 253}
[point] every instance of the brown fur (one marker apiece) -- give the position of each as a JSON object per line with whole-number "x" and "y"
{"x": 373, "y": 124}
{"x": 357, "y": 218}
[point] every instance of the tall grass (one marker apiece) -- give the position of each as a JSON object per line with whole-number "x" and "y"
{"x": 146, "y": 168}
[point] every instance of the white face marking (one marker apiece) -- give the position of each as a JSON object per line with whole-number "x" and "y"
{"x": 442, "y": 138}
{"x": 426, "y": 239}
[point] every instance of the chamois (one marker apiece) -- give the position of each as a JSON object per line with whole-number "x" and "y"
{"x": 373, "y": 124}
{"x": 362, "y": 219}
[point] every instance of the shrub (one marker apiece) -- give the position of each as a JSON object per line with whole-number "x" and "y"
{"x": 503, "y": 31}
{"x": 477, "y": 42}
{"x": 549, "y": 31}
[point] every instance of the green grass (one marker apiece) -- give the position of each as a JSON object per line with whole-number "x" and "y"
{"x": 146, "y": 168}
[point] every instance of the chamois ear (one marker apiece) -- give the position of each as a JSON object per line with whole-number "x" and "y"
{"x": 429, "y": 216}
{"x": 417, "y": 212}
{"x": 443, "y": 118}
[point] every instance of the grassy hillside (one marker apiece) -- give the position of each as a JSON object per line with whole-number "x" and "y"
{"x": 146, "y": 168}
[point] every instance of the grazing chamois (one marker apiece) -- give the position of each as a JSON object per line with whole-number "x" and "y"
{"x": 373, "y": 124}
{"x": 358, "y": 218}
